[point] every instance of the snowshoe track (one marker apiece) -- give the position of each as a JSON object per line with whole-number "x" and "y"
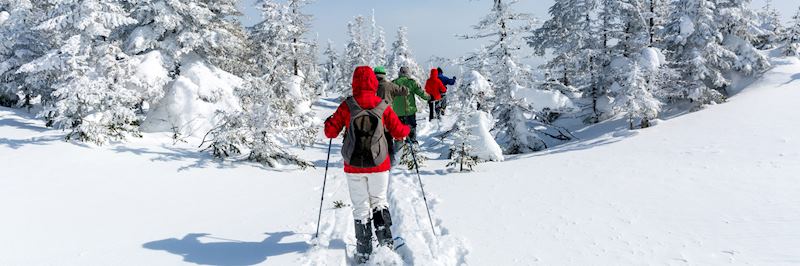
{"x": 336, "y": 242}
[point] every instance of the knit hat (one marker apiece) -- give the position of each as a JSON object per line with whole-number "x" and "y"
{"x": 380, "y": 70}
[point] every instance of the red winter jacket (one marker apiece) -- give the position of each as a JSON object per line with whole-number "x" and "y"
{"x": 365, "y": 87}
{"x": 434, "y": 86}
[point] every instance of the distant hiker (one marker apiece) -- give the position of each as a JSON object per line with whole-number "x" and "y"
{"x": 446, "y": 82}
{"x": 406, "y": 106}
{"x": 366, "y": 157}
{"x": 387, "y": 91}
{"x": 434, "y": 87}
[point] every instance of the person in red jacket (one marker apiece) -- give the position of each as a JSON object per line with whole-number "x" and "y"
{"x": 368, "y": 186}
{"x": 434, "y": 87}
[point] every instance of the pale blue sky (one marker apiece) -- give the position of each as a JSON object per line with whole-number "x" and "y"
{"x": 432, "y": 24}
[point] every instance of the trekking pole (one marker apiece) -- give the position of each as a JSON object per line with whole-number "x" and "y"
{"x": 421, "y": 186}
{"x": 324, "y": 181}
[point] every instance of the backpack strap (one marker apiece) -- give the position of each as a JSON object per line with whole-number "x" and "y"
{"x": 378, "y": 110}
{"x": 353, "y": 105}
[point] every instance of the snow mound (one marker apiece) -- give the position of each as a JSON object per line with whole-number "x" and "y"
{"x": 141, "y": 39}
{"x": 651, "y": 58}
{"x": 150, "y": 76}
{"x": 687, "y": 27}
{"x": 477, "y": 83}
{"x": 4, "y": 15}
{"x": 483, "y": 143}
{"x": 554, "y": 101}
{"x": 191, "y": 103}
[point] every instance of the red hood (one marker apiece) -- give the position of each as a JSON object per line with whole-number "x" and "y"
{"x": 365, "y": 87}
{"x": 434, "y": 73}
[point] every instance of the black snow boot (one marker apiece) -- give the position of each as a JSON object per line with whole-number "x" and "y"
{"x": 383, "y": 227}
{"x": 363, "y": 241}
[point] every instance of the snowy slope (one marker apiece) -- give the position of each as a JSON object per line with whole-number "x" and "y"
{"x": 712, "y": 187}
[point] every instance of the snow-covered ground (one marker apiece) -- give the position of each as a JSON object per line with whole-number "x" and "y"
{"x": 716, "y": 186}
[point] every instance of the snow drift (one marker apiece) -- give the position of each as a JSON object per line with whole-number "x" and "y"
{"x": 484, "y": 146}
{"x": 190, "y": 105}
{"x": 540, "y": 100}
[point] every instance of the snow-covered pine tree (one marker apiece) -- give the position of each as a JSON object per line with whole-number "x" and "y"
{"x": 407, "y": 156}
{"x": 304, "y": 50}
{"x": 461, "y": 156}
{"x": 569, "y": 20}
{"x": 657, "y": 13}
{"x": 792, "y": 46}
{"x": 770, "y": 30}
{"x": 632, "y": 86}
{"x": 632, "y": 95}
{"x": 172, "y": 31}
{"x": 204, "y": 27}
{"x": 88, "y": 71}
{"x": 356, "y": 52}
{"x": 276, "y": 104}
{"x": 333, "y": 79}
{"x": 505, "y": 27}
{"x": 574, "y": 63}
{"x": 694, "y": 44}
{"x": 737, "y": 20}
{"x": 402, "y": 56}
{"x": 378, "y": 41}
{"x": 22, "y": 44}
{"x": 634, "y": 29}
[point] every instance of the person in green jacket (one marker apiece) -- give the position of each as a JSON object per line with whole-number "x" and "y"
{"x": 406, "y": 106}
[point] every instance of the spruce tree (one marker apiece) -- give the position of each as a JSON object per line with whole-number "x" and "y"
{"x": 402, "y": 56}
{"x": 332, "y": 78}
{"x": 569, "y": 20}
{"x": 356, "y": 52}
{"x": 694, "y": 42}
{"x": 505, "y": 27}
{"x": 792, "y": 46}
{"x": 657, "y": 14}
{"x": 276, "y": 103}
{"x": 378, "y": 41}
{"x": 88, "y": 71}
{"x": 770, "y": 28}
{"x": 633, "y": 97}
{"x": 176, "y": 30}
{"x": 22, "y": 44}
{"x": 461, "y": 157}
{"x": 737, "y": 20}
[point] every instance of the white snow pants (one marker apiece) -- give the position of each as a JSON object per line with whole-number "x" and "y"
{"x": 368, "y": 192}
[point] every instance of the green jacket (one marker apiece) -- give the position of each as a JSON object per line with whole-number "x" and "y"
{"x": 407, "y": 105}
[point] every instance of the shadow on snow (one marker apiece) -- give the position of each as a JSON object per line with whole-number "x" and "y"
{"x": 227, "y": 251}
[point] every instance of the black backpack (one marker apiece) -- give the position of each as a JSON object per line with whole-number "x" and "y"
{"x": 365, "y": 143}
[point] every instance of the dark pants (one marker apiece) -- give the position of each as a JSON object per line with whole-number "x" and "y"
{"x": 442, "y": 104}
{"x": 435, "y": 110}
{"x": 411, "y": 121}
{"x": 392, "y": 151}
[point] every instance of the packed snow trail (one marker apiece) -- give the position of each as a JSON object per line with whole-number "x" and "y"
{"x": 336, "y": 242}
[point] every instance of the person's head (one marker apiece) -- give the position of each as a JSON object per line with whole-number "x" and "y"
{"x": 439, "y": 70}
{"x": 364, "y": 81}
{"x": 380, "y": 70}
{"x": 405, "y": 72}
{"x": 434, "y": 73}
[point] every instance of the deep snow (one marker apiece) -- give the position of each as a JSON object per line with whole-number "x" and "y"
{"x": 716, "y": 186}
